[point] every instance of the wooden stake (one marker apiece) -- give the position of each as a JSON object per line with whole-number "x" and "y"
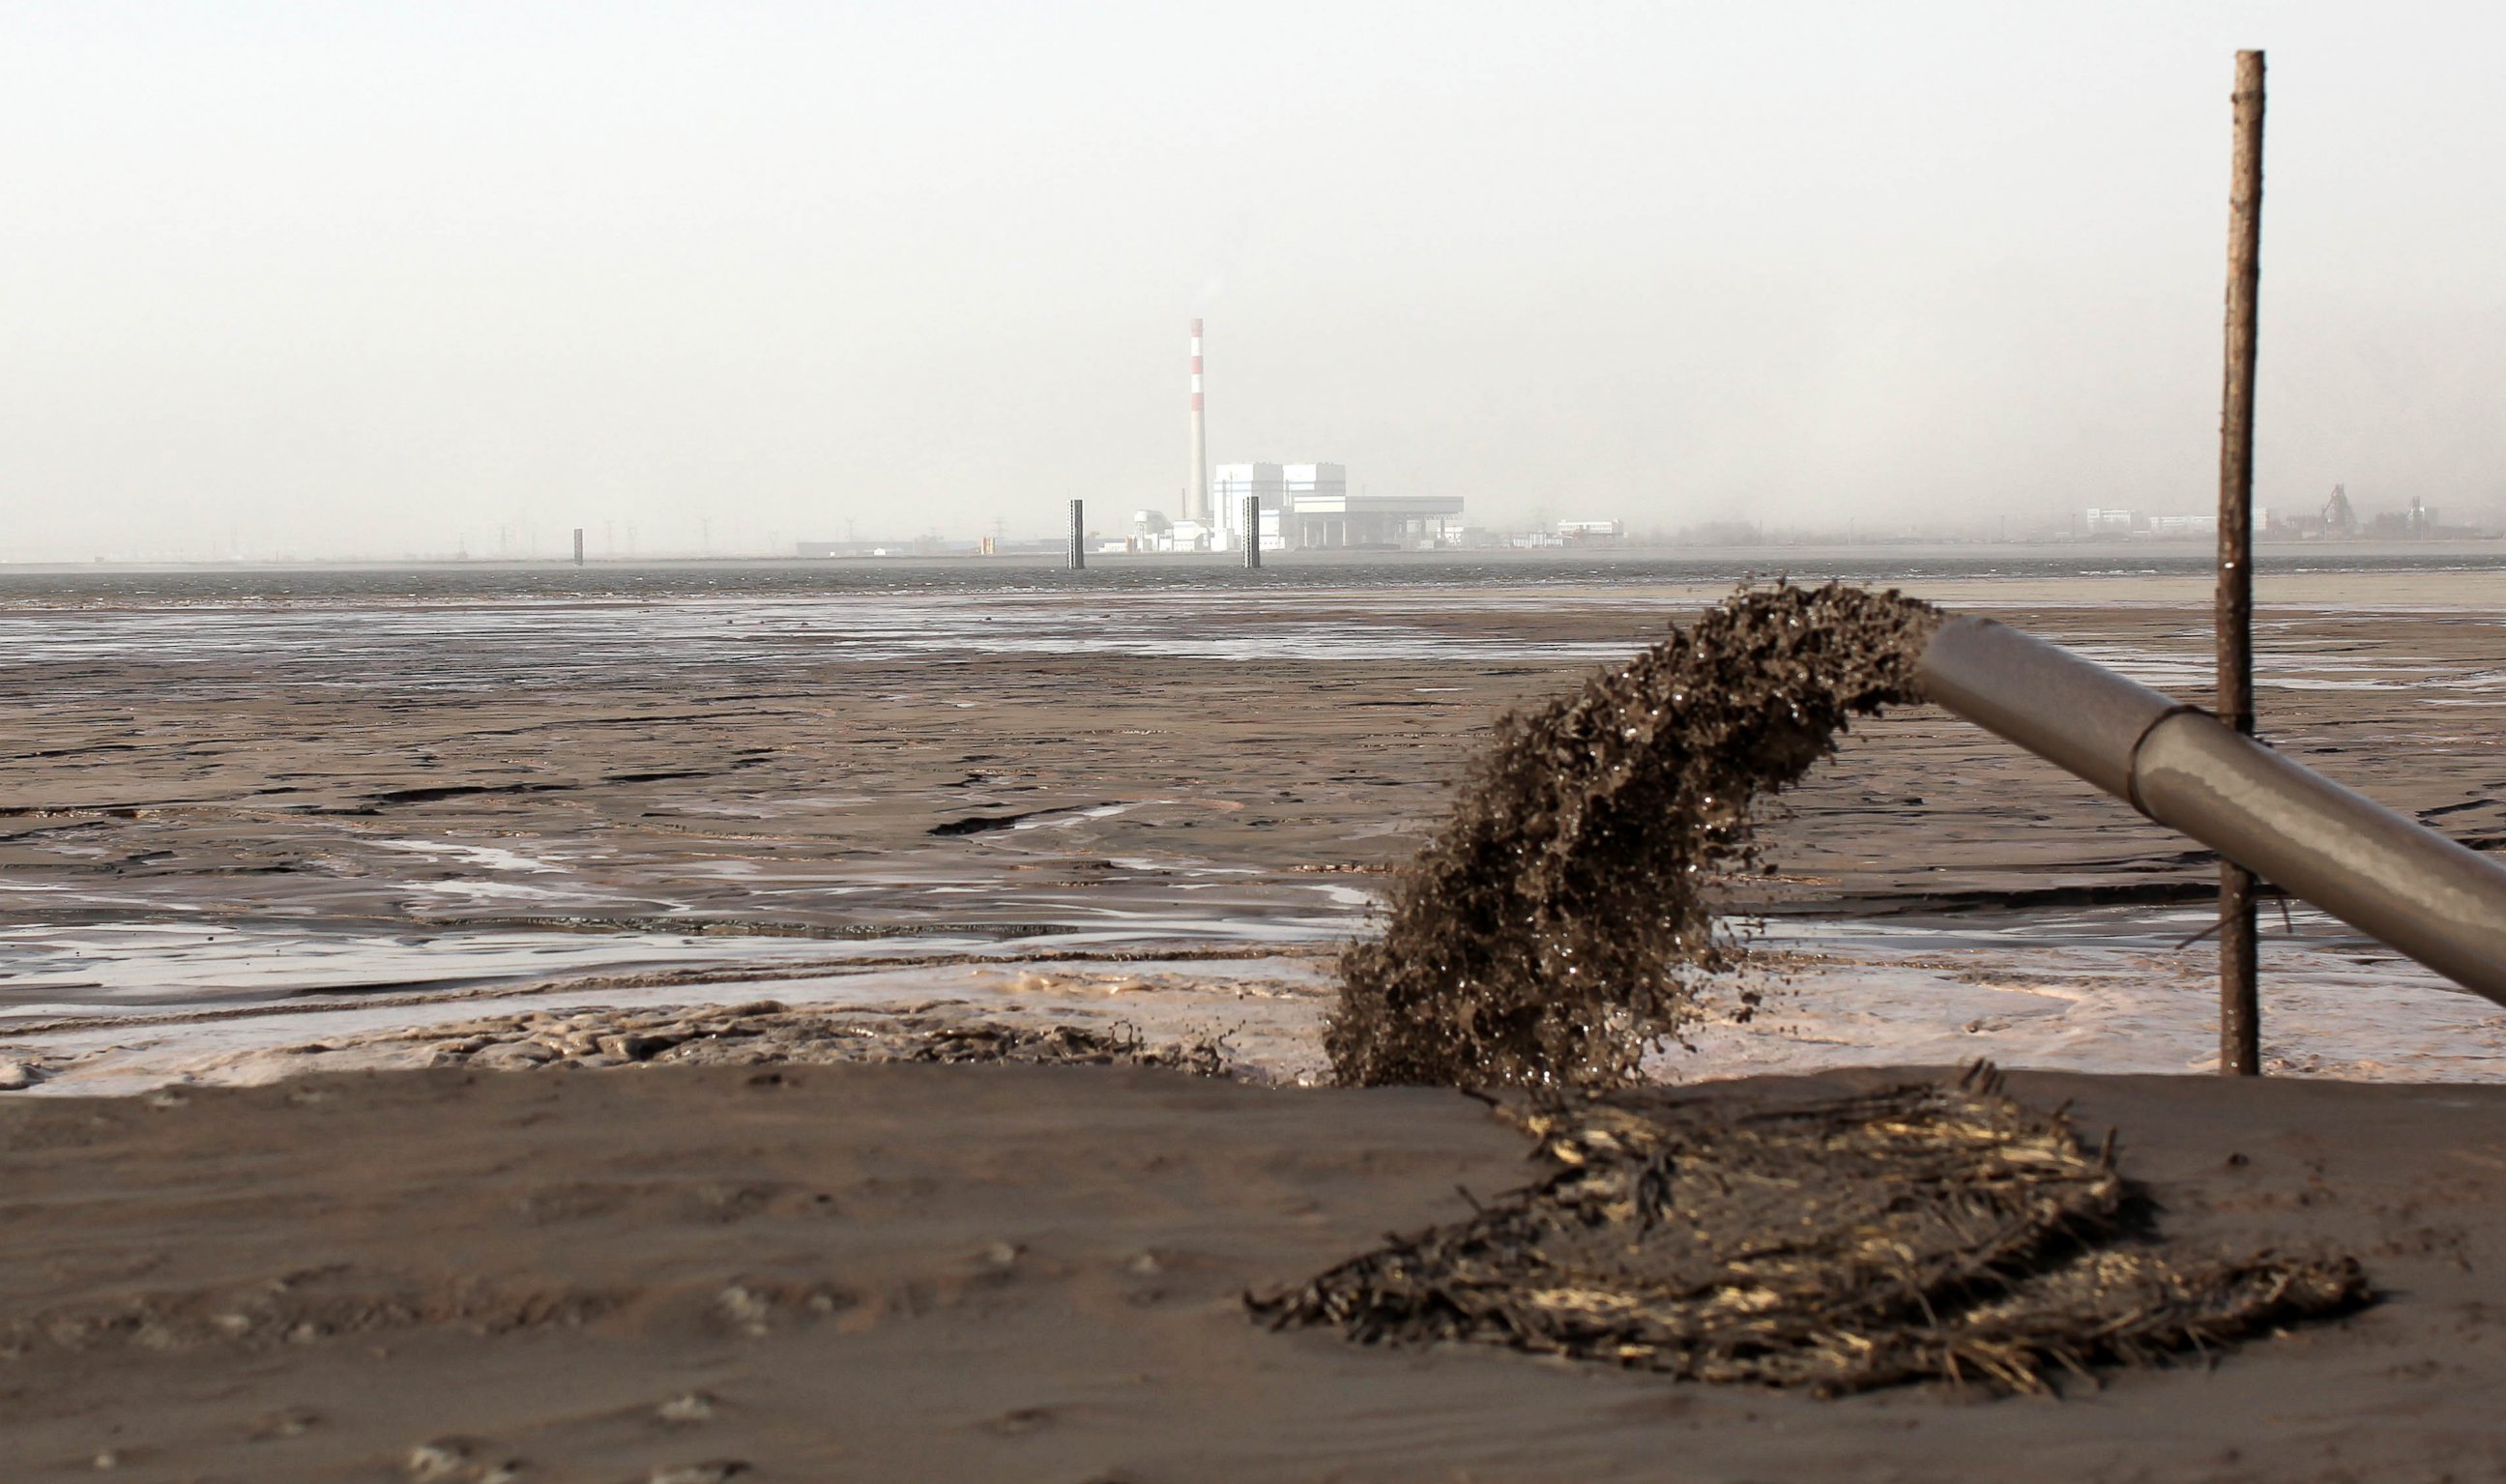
{"x": 2240, "y": 1006}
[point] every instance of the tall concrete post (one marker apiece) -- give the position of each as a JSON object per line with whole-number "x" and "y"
{"x": 1078, "y": 534}
{"x": 1195, "y": 496}
{"x": 1253, "y": 533}
{"x": 577, "y": 545}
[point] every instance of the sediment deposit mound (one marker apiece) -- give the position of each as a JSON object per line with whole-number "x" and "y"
{"x": 1919, "y": 1233}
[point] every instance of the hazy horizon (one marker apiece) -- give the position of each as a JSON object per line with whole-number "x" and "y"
{"x": 380, "y": 279}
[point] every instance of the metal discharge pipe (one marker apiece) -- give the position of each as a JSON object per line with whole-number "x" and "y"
{"x": 2382, "y": 873}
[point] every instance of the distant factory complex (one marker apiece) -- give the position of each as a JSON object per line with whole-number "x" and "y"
{"x": 1299, "y": 506}
{"x": 1253, "y": 507}
{"x": 1244, "y": 510}
{"x": 1295, "y": 507}
{"x": 2338, "y": 520}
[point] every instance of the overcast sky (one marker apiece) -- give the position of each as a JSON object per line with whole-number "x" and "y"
{"x": 370, "y": 277}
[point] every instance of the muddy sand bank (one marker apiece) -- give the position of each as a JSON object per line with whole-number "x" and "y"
{"x": 917, "y": 1272}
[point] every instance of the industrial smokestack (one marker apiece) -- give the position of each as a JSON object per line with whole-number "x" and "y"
{"x": 1196, "y": 499}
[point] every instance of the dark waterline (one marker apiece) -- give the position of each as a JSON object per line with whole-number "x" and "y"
{"x": 559, "y": 582}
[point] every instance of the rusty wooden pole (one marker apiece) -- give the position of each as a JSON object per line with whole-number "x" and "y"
{"x": 2239, "y": 1005}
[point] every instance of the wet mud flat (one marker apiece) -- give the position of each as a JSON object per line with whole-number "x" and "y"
{"x": 814, "y": 770}
{"x": 1227, "y": 765}
{"x": 684, "y": 1241}
{"x": 918, "y": 1271}
{"x": 247, "y": 806}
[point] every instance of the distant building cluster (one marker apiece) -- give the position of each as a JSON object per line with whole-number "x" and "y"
{"x": 926, "y": 545}
{"x": 2336, "y": 520}
{"x": 2340, "y": 518}
{"x": 1299, "y": 508}
{"x": 1560, "y": 535}
{"x": 1265, "y": 507}
{"x": 2144, "y": 525}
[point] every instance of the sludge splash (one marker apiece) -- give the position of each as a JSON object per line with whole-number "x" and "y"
{"x": 1541, "y": 936}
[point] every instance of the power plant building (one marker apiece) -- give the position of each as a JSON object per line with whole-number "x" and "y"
{"x": 1303, "y": 507}
{"x": 1280, "y": 488}
{"x": 1309, "y": 506}
{"x": 1267, "y": 483}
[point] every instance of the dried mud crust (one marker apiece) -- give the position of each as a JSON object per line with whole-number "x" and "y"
{"x": 1925, "y": 1233}
{"x": 768, "y": 1033}
{"x": 1542, "y": 937}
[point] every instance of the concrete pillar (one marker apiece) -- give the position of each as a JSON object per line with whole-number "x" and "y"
{"x": 1078, "y": 535}
{"x": 1253, "y": 533}
{"x": 577, "y": 545}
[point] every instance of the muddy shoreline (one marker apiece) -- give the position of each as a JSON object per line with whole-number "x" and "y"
{"x": 1034, "y": 1272}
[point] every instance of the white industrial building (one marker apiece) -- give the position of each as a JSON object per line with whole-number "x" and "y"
{"x": 1302, "y": 508}
{"x": 1276, "y": 487}
{"x": 1309, "y": 506}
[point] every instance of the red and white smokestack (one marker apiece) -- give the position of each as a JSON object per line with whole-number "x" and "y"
{"x": 1196, "y": 499}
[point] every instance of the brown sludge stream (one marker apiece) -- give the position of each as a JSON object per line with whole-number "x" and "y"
{"x": 1545, "y": 937}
